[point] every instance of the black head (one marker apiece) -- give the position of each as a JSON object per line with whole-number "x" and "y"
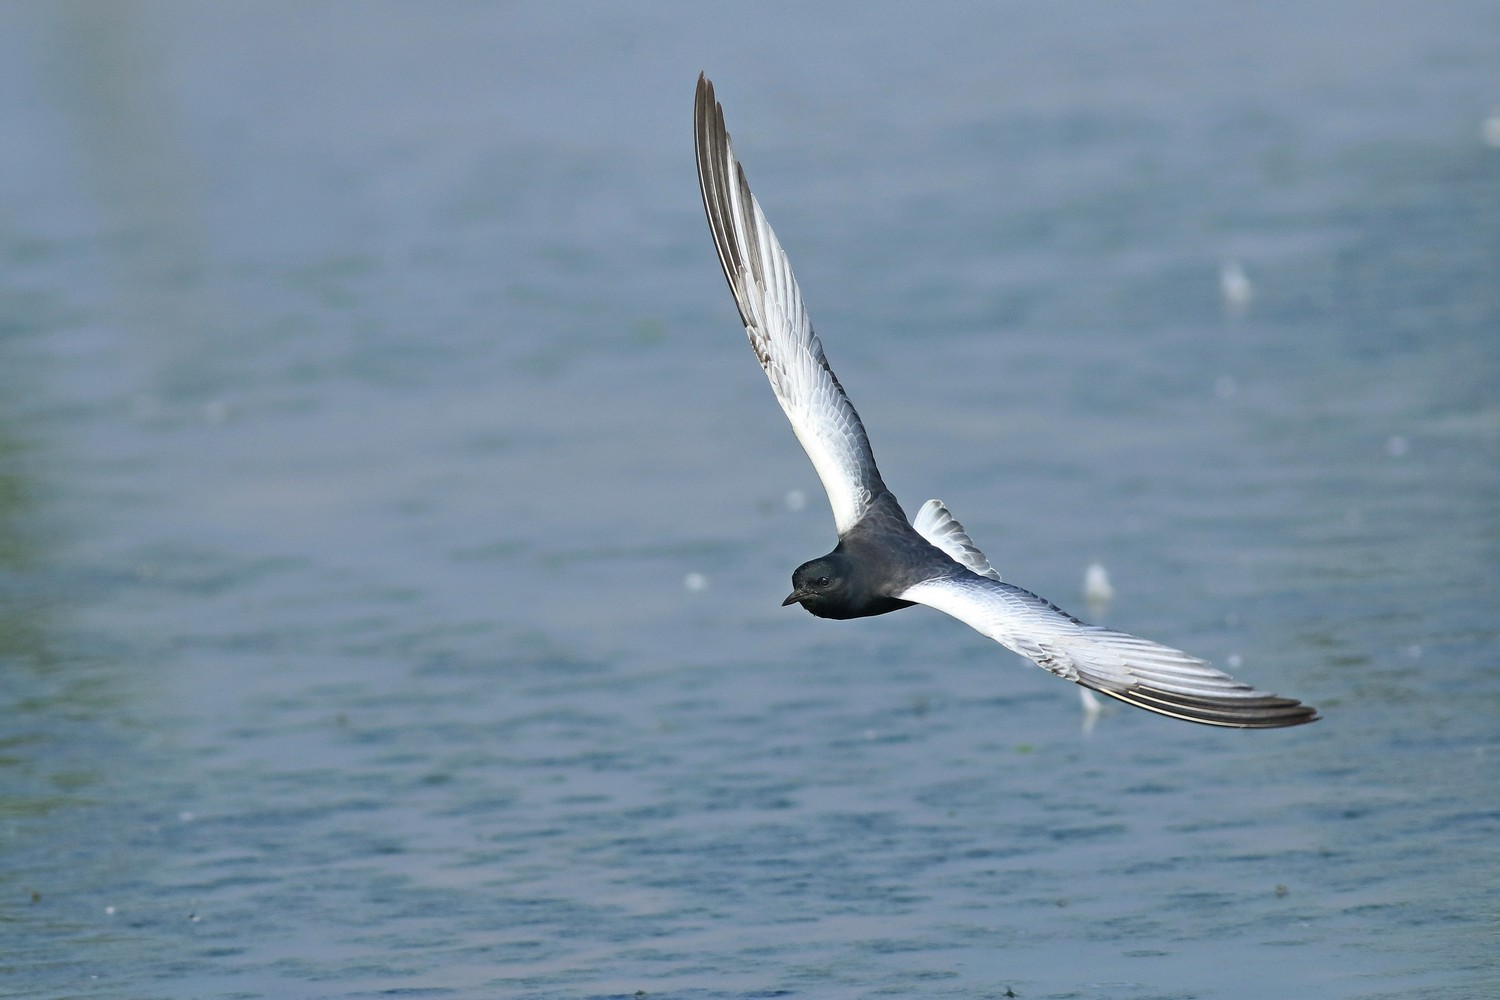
{"x": 834, "y": 587}
{"x": 820, "y": 585}
{"x": 838, "y": 586}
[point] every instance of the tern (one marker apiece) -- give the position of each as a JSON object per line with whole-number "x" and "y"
{"x": 884, "y": 563}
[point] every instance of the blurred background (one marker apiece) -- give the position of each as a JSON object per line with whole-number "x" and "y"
{"x": 393, "y": 520}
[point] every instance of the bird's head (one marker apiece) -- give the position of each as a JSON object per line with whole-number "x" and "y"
{"x": 821, "y": 586}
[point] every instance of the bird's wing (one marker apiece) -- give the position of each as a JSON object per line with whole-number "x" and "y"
{"x": 780, "y": 333}
{"x": 1134, "y": 670}
{"x": 934, "y": 523}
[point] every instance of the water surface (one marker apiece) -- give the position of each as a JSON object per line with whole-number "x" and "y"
{"x": 370, "y": 399}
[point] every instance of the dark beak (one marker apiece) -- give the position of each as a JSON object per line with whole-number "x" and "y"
{"x": 797, "y": 597}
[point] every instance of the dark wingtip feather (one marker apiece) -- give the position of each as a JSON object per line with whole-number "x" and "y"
{"x": 1263, "y": 712}
{"x": 711, "y": 148}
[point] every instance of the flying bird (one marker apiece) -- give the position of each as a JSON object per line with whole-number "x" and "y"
{"x": 882, "y": 562}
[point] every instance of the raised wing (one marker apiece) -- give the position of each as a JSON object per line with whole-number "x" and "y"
{"x": 780, "y": 333}
{"x": 1134, "y": 670}
{"x": 934, "y": 523}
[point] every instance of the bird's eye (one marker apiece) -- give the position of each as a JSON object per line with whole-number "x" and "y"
{"x": 821, "y": 581}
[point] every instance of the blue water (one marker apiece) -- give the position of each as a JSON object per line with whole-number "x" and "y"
{"x": 393, "y": 520}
